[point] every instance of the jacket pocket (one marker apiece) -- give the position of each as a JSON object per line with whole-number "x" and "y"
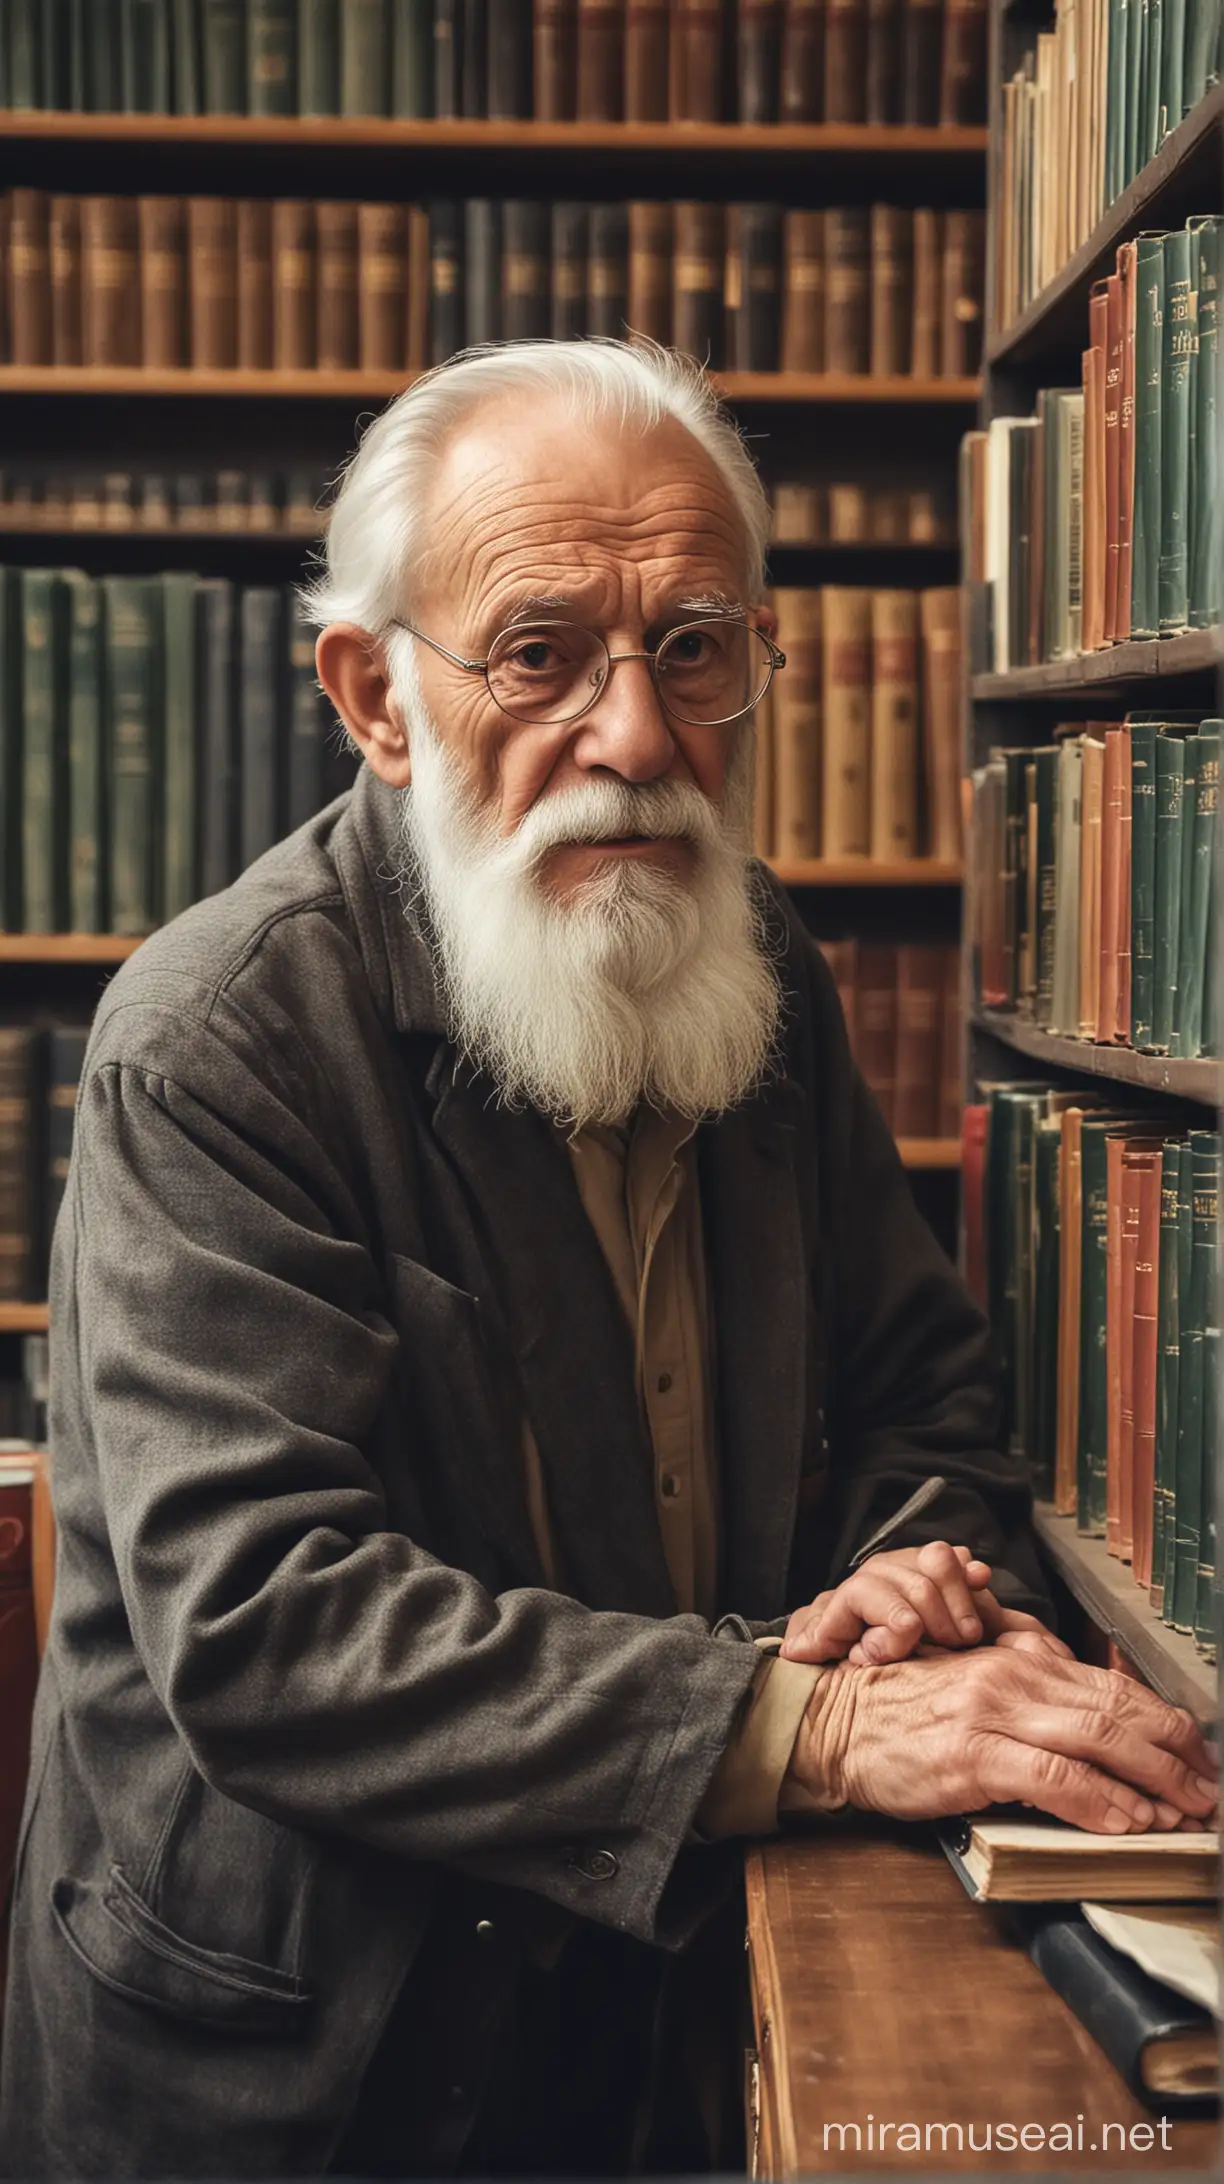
{"x": 123, "y": 1945}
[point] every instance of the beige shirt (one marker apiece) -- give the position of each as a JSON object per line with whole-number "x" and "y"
{"x": 639, "y": 1189}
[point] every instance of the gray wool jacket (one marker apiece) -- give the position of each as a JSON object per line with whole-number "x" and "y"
{"x": 303, "y": 1667}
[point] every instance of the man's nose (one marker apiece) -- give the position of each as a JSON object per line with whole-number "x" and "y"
{"x": 627, "y": 731}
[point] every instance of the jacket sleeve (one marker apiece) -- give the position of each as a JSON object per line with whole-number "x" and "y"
{"x": 221, "y": 1341}
{"x": 913, "y": 1384}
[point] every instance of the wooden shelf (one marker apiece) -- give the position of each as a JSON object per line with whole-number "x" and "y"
{"x": 866, "y": 872}
{"x": 843, "y": 388}
{"x": 677, "y": 140}
{"x": 1183, "y": 178}
{"x": 66, "y": 947}
{"x": 930, "y": 1152}
{"x": 1197, "y": 1080}
{"x": 1105, "y": 1588}
{"x": 23, "y": 1319}
{"x": 1141, "y": 662}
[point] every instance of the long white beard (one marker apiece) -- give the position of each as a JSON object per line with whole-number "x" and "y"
{"x": 639, "y": 987}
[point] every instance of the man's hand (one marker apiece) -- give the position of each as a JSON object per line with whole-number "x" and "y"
{"x": 933, "y": 1595}
{"x": 925, "y": 1738}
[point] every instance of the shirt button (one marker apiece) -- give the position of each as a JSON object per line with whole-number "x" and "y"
{"x": 663, "y": 1383}
{"x": 670, "y": 1484}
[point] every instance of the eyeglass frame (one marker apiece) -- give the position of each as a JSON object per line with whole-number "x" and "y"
{"x": 777, "y": 659}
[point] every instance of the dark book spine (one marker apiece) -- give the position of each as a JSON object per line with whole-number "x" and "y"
{"x": 412, "y": 44}
{"x": 87, "y": 908}
{"x": 163, "y": 282}
{"x": 509, "y": 35}
{"x": 25, "y": 54}
{"x": 755, "y": 259}
{"x": 1178, "y": 347}
{"x": 133, "y": 623}
{"x": 10, "y": 750}
{"x": 272, "y": 57}
{"x": 883, "y": 104}
{"x": 293, "y": 285}
{"x": 17, "y": 1171}
{"x": 474, "y": 60}
{"x": 45, "y": 756}
{"x": 525, "y": 300}
{"x": 650, "y": 270}
{"x": 803, "y": 291}
{"x": 569, "y": 277}
{"x": 446, "y": 331}
{"x": 336, "y": 337}
{"x": 845, "y": 60}
{"x": 181, "y": 745}
{"x": 608, "y": 271}
{"x": 218, "y": 730}
{"x": 759, "y": 59}
{"x": 319, "y": 56}
{"x": 64, "y": 240}
{"x": 382, "y": 287}
{"x": 699, "y": 60}
{"x": 962, "y": 80}
{"x": 365, "y": 56}
{"x": 555, "y": 51}
{"x": 647, "y": 60}
{"x": 255, "y": 284}
{"x": 482, "y": 270}
{"x": 65, "y": 1059}
{"x": 186, "y": 56}
{"x": 892, "y": 289}
{"x": 146, "y": 55}
{"x": 847, "y": 289}
{"x": 601, "y": 60}
{"x": 699, "y": 282}
{"x": 921, "y": 56}
{"x": 1207, "y": 237}
{"x": 802, "y": 72}
{"x": 223, "y": 56}
{"x": 259, "y": 719}
{"x": 29, "y": 256}
{"x": 448, "y": 59}
{"x": 212, "y": 233}
{"x": 307, "y": 717}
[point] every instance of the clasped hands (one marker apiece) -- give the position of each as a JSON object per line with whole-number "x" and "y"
{"x": 942, "y": 1701}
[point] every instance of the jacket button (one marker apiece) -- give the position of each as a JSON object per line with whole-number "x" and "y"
{"x": 486, "y": 1929}
{"x": 597, "y": 1865}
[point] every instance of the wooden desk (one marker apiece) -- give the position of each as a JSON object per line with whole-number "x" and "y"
{"x": 879, "y": 1990}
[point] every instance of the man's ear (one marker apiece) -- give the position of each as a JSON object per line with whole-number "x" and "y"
{"x": 356, "y": 682}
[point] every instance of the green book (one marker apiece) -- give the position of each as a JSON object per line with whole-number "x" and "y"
{"x": 271, "y": 58}
{"x": 187, "y": 60}
{"x": 1064, "y": 1009}
{"x": 181, "y": 752}
{"x": 86, "y": 757}
{"x": 1145, "y": 538}
{"x": 1143, "y": 877}
{"x": 319, "y": 57}
{"x": 1202, "y": 1150}
{"x": 104, "y": 43}
{"x": 146, "y": 57}
{"x": 1185, "y": 1261}
{"x": 24, "y": 53}
{"x": 55, "y": 67}
{"x": 10, "y": 750}
{"x": 412, "y": 29}
{"x": 1203, "y": 853}
{"x": 44, "y": 707}
{"x": 1188, "y": 813}
{"x": 1135, "y": 42}
{"x": 1167, "y": 1328}
{"x": 78, "y": 56}
{"x": 1202, "y": 32}
{"x": 1212, "y": 997}
{"x": 1166, "y": 923}
{"x": 1205, "y": 530}
{"x": 1206, "y": 1601}
{"x": 1150, "y": 114}
{"x": 1115, "y": 101}
{"x": 1047, "y": 1147}
{"x": 1094, "y": 1383}
{"x": 1015, "y": 869}
{"x": 1178, "y": 344}
{"x": 1172, "y": 56}
{"x": 132, "y": 624}
{"x": 365, "y": 55}
{"x": 223, "y": 56}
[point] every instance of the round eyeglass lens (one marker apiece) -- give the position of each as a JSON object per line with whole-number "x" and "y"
{"x": 548, "y": 672}
{"x": 709, "y": 672}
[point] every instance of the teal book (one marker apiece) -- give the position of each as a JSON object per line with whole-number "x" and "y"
{"x": 185, "y": 41}
{"x": 10, "y": 750}
{"x": 44, "y": 706}
{"x": 412, "y": 43}
{"x": 271, "y": 57}
{"x": 1185, "y": 1263}
{"x": 1206, "y": 1594}
{"x": 147, "y": 75}
{"x": 1172, "y": 57}
{"x": 223, "y": 56}
{"x": 103, "y": 27}
{"x": 1202, "y": 1150}
{"x": 55, "y": 67}
{"x": 1047, "y": 1148}
{"x": 1206, "y": 542}
{"x": 180, "y": 813}
{"x": 1150, "y": 114}
{"x": 1178, "y": 348}
{"x": 1045, "y": 762}
{"x": 1202, "y": 861}
{"x": 86, "y": 757}
{"x": 1094, "y": 1379}
{"x": 319, "y": 56}
{"x": 1202, "y": 34}
{"x": 1145, "y": 540}
{"x": 1167, "y": 1358}
{"x": 1166, "y": 927}
{"x": 1213, "y": 999}
{"x": 132, "y": 626}
{"x": 1135, "y": 42}
{"x": 1143, "y": 878}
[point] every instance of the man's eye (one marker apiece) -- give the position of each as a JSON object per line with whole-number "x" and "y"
{"x": 688, "y": 647}
{"x": 535, "y": 656}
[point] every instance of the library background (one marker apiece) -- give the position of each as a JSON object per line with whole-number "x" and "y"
{"x": 955, "y": 268}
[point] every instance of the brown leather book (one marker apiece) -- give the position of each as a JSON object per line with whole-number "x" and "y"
{"x": 1092, "y": 532}
{"x": 255, "y": 284}
{"x": 17, "y": 1067}
{"x": 797, "y": 724}
{"x": 941, "y": 614}
{"x": 418, "y": 288}
{"x": 928, "y": 293}
{"x": 212, "y": 282}
{"x": 1115, "y": 342}
{"x": 800, "y": 512}
{"x": 952, "y": 1058}
{"x": 64, "y": 244}
{"x": 847, "y": 288}
{"x": 555, "y": 56}
{"x": 650, "y": 270}
{"x": 382, "y": 287}
{"x": 892, "y": 289}
{"x": 803, "y": 290}
{"x": 647, "y": 43}
{"x": 1070, "y": 1217}
{"x": 1091, "y": 809}
{"x": 608, "y": 271}
{"x": 30, "y": 335}
{"x": 962, "y": 75}
{"x": 336, "y": 337}
{"x": 1117, "y": 1338}
{"x": 698, "y": 73}
{"x": 883, "y": 63}
{"x": 919, "y": 1040}
{"x": 601, "y": 60}
{"x": 875, "y": 1005}
{"x": 1144, "y": 1163}
{"x": 568, "y": 258}
{"x": 845, "y": 60}
{"x": 801, "y": 72}
{"x": 846, "y": 708}
{"x": 921, "y": 45}
{"x": 894, "y": 726}
{"x": 758, "y": 57}
{"x": 699, "y": 280}
{"x": 525, "y": 297}
{"x": 964, "y": 275}
{"x": 753, "y": 293}
{"x": 293, "y": 285}
{"x": 18, "y": 1648}
{"x": 163, "y": 282}
{"x": 110, "y": 281}
{"x": 1111, "y": 882}
{"x": 1126, "y": 440}
{"x": 849, "y": 513}
{"x": 1122, "y": 924}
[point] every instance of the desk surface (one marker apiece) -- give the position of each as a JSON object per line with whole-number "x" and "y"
{"x": 883, "y": 1994}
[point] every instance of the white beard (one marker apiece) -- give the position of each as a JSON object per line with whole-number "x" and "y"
{"x": 638, "y": 987}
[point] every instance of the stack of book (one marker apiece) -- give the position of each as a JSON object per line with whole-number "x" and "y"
{"x": 1092, "y": 1242}
{"x": 221, "y": 283}
{"x": 1098, "y": 519}
{"x": 1094, "y": 908}
{"x": 1089, "y": 106}
{"x": 862, "y": 513}
{"x": 858, "y": 738}
{"x": 40, "y": 1068}
{"x": 33, "y": 498}
{"x": 156, "y": 734}
{"x": 903, "y": 1014}
{"x": 911, "y": 61}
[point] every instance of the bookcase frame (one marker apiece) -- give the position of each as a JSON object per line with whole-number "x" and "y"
{"x": 1041, "y": 348}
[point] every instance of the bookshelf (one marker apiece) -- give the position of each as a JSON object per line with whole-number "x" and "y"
{"x": 843, "y": 389}
{"x": 1171, "y": 1095}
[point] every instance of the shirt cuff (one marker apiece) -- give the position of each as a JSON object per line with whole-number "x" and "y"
{"x": 742, "y": 1795}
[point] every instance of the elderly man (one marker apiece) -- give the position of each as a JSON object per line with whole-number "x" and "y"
{"x": 486, "y": 1300}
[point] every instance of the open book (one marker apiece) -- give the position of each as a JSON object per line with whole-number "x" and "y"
{"x": 1044, "y": 1861}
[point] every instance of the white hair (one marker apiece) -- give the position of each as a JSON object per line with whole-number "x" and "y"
{"x": 373, "y": 539}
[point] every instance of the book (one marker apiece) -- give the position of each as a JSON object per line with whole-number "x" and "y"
{"x": 845, "y": 66}
{"x": 181, "y": 758}
{"x": 64, "y": 251}
{"x": 525, "y": 297}
{"x": 1178, "y": 349}
{"x": 508, "y": 61}
{"x": 18, "y": 1174}
{"x": 647, "y": 47}
{"x": 940, "y": 618}
{"x": 1027, "y": 1861}
{"x": 891, "y": 302}
{"x": 962, "y": 75}
{"x": 555, "y": 58}
{"x": 336, "y": 326}
{"x": 1149, "y": 320}
{"x": 1165, "y": 2048}
{"x": 796, "y": 719}
{"x": 803, "y": 290}
{"x": 86, "y": 907}
{"x": 223, "y": 56}
{"x": 919, "y": 1040}
{"x": 212, "y": 247}
{"x": 802, "y": 64}
{"x": 895, "y": 688}
{"x": 365, "y": 56}
{"x": 110, "y": 328}
{"x": 600, "y": 72}
{"x": 133, "y": 658}
{"x": 846, "y": 721}
{"x": 698, "y": 276}
{"x": 847, "y": 289}
{"x": 607, "y": 271}
{"x": 921, "y": 42}
{"x": 753, "y": 296}
{"x": 1168, "y": 1358}
{"x": 318, "y": 57}
{"x": 18, "y": 1647}
{"x": 758, "y": 59}
{"x": 44, "y": 764}
{"x": 650, "y": 270}
{"x": 445, "y": 279}
{"x": 382, "y": 287}
{"x": 875, "y": 1014}
{"x": 1143, "y": 878}
{"x": 271, "y": 58}
{"x": 569, "y": 259}
{"x": 1203, "y": 550}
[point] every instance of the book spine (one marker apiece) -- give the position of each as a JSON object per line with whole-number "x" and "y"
{"x": 754, "y": 283}
{"x": 1094, "y": 1399}
{"x": 272, "y": 57}
{"x": 163, "y": 282}
{"x": 223, "y": 56}
{"x": 509, "y": 61}
{"x": 44, "y": 758}
{"x": 1167, "y": 1362}
{"x": 608, "y": 271}
{"x": 318, "y": 56}
{"x": 65, "y": 1059}
{"x": 1149, "y": 323}
{"x": 1043, "y": 1419}
{"x": 307, "y": 719}
{"x": 803, "y": 290}
{"x": 1070, "y": 1239}
{"x": 525, "y": 271}
{"x": 928, "y": 293}
{"x": 1127, "y": 262}
{"x": 698, "y": 60}
{"x": 569, "y": 280}
{"x": 412, "y": 58}
{"x": 86, "y": 759}
{"x": 1143, "y": 881}
{"x": 802, "y": 69}
{"x": 1170, "y": 775}
{"x": 110, "y": 315}
{"x": 647, "y": 60}
{"x": 962, "y": 77}
{"x": 1199, "y": 1157}
{"x": 17, "y": 1054}
{"x": 446, "y": 333}
{"x": 146, "y": 56}
{"x": 601, "y": 60}
{"x": 846, "y": 711}
{"x": 474, "y": 58}
{"x": 1203, "y": 851}
{"x": 336, "y": 334}
{"x": 963, "y": 289}
{"x": 698, "y": 301}
{"x": 260, "y": 714}
{"x": 1207, "y": 1597}
{"x": 892, "y": 300}
{"x": 181, "y": 753}
{"x": 448, "y": 60}
{"x": 382, "y": 259}
{"x": 845, "y": 72}
{"x": 29, "y": 268}
{"x": 365, "y": 56}
{"x": 293, "y": 285}
{"x": 64, "y": 247}
{"x": 218, "y": 733}
{"x": 876, "y": 1024}
{"x": 883, "y": 63}
{"x": 420, "y": 296}
{"x": 797, "y": 724}
{"x": 25, "y": 54}
{"x": 1115, "y": 341}
{"x": 1045, "y": 880}
{"x": 212, "y": 245}
{"x": 759, "y": 59}
{"x": 941, "y": 615}
{"x": 1185, "y": 969}
{"x": 952, "y": 1058}
{"x": 919, "y": 1037}
{"x": 921, "y": 59}
{"x": 133, "y": 669}
{"x": 1150, "y": 128}
{"x": 1172, "y": 65}
{"x": 650, "y": 271}
{"x": 894, "y": 737}
{"x": 555, "y": 53}
{"x": 847, "y": 289}
{"x": 482, "y": 270}
{"x": 255, "y": 283}
{"x": 1206, "y": 531}
{"x": 1178, "y": 348}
